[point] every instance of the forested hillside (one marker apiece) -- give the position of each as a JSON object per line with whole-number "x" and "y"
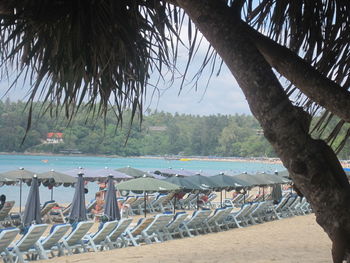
{"x": 159, "y": 134}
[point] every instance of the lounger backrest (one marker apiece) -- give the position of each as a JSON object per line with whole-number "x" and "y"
{"x": 244, "y": 210}
{"x": 78, "y": 233}
{"x": 140, "y": 200}
{"x": 47, "y": 208}
{"x": 6, "y": 209}
{"x": 218, "y": 214}
{"x": 91, "y": 205}
{"x": 6, "y": 237}
{"x": 159, "y": 222}
{"x": 120, "y": 229}
{"x": 130, "y": 200}
{"x": 159, "y": 200}
{"x": 179, "y": 218}
{"x": 141, "y": 226}
{"x": 107, "y": 228}
{"x": 31, "y": 237}
{"x": 198, "y": 217}
{"x": 168, "y": 197}
{"x": 57, "y": 232}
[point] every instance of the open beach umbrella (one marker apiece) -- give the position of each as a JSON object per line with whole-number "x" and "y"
{"x": 183, "y": 183}
{"x": 20, "y": 175}
{"x": 202, "y": 181}
{"x": 131, "y": 171}
{"x": 275, "y": 179}
{"x": 7, "y": 181}
{"x": 172, "y": 172}
{"x": 227, "y": 182}
{"x": 146, "y": 185}
{"x": 78, "y": 209}
{"x": 53, "y": 178}
{"x": 32, "y": 212}
{"x": 283, "y": 173}
{"x": 103, "y": 174}
{"x": 253, "y": 179}
{"x": 111, "y": 209}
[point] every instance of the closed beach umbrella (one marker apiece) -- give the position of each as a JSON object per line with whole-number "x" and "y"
{"x": 32, "y": 212}
{"x": 111, "y": 209}
{"x": 131, "y": 171}
{"x": 78, "y": 209}
{"x": 19, "y": 174}
{"x": 276, "y": 193}
{"x": 147, "y": 184}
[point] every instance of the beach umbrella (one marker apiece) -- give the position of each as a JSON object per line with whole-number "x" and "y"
{"x": 253, "y": 179}
{"x": 78, "y": 209}
{"x": 283, "y": 173}
{"x": 172, "y": 172}
{"x": 32, "y": 212}
{"x": 183, "y": 183}
{"x": 276, "y": 193}
{"x": 103, "y": 174}
{"x": 19, "y": 175}
{"x": 53, "y": 178}
{"x": 225, "y": 181}
{"x": 111, "y": 209}
{"x": 7, "y": 181}
{"x": 146, "y": 185}
{"x": 273, "y": 178}
{"x": 202, "y": 181}
{"x": 131, "y": 171}
{"x": 156, "y": 176}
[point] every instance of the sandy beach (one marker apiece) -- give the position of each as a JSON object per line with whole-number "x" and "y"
{"x": 297, "y": 239}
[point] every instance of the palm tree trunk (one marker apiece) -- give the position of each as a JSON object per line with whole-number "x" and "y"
{"x": 313, "y": 165}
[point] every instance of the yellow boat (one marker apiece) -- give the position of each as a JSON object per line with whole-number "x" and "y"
{"x": 185, "y": 159}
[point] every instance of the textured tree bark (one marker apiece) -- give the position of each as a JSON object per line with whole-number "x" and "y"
{"x": 314, "y": 167}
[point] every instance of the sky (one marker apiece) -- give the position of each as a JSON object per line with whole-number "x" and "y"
{"x": 221, "y": 96}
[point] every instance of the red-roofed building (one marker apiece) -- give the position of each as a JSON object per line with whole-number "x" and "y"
{"x": 54, "y": 137}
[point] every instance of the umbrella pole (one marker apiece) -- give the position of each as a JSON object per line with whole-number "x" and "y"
{"x": 52, "y": 194}
{"x": 221, "y": 198}
{"x": 174, "y": 204}
{"x": 20, "y": 196}
{"x": 145, "y": 195}
{"x": 263, "y": 189}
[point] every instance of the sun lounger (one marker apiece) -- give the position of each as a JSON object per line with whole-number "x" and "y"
{"x": 6, "y": 237}
{"x": 51, "y": 243}
{"x": 195, "y": 223}
{"x": 173, "y": 227}
{"x": 116, "y": 238}
{"x": 46, "y": 209}
{"x": 73, "y": 242}
{"x": 238, "y": 219}
{"x": 157, "y": 204}
{"x": 5, "y": 213}
{"x": 152, "y": 231}
{"x": 134, "y": 233}
{"x": 137, "y": 206}
{"x": 217, "y": 220}
{"x": 27, "y": 244}
{"x": 89, "y": 207}
{"x": 126, "y": 208}
{"x": 97, "y": 241}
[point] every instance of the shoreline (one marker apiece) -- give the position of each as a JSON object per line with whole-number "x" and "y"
{"x": 269, "y": 160}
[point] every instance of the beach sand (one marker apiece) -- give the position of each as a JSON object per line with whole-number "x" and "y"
{"x": 297, "y": 239}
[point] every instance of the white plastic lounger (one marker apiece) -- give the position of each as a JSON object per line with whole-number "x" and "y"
{"x": 50, "y": 243}
{"x": 6, "y": 237}
{"x": 152, "y": 231}
{"x": 133, "y": 234}
{"x": 5, "y": 211}
{"x": 27, "y": 244}
{"x": 194, "y": 224}
{"x": 97, "y": 241}
{"x": 173, "y": 227}
{"x": 238, "y": 218}
{"x": 73, "y": 242}
{"x": 116, "y": 238}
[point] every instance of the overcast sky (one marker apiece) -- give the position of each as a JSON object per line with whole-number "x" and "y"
{"x": 221, "y": 96}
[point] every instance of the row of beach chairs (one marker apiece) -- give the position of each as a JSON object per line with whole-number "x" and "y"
{"x": 159, "y": 228}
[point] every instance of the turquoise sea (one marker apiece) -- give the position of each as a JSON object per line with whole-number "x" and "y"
{"x": 62, "y": 163}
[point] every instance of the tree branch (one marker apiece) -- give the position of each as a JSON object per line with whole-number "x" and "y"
{"x": 306, "y": 78}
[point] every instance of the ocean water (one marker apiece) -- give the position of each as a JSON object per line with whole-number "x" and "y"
{"x": 63, "y": 163}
